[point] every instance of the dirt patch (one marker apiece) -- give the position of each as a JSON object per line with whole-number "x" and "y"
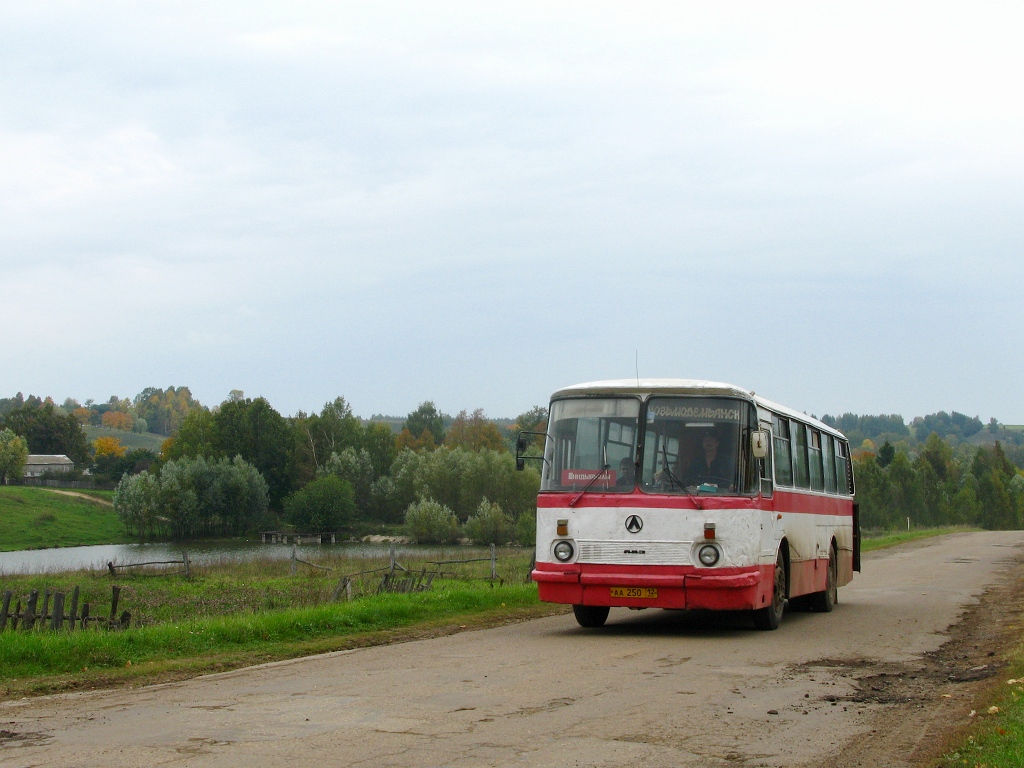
{"x": 928, "y": 701}
{"x": 87, "y": 497}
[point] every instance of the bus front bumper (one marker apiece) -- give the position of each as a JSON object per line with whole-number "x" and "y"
{"x": 679, "y": 587}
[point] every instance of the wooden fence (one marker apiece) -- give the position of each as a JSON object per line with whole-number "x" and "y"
{"x": 55, "y": 617}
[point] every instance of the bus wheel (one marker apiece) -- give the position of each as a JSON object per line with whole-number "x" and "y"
{"x": 591, "y": 615}
{"x": 826, "y": 601}
{"x": 769, "y": 618}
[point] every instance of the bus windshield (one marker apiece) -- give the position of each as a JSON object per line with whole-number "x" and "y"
{"x": 691, "y": 445}
{"x": 592, "y": 441}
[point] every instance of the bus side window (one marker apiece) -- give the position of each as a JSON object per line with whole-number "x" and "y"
{"x": 842, "y": 468}
{"x": 828, "y": 453}
{"x": 765, "y": 467}
{"x": 814, "y": 457}
{"x": 803, "y": 479}
{"x": 783, "y": 457}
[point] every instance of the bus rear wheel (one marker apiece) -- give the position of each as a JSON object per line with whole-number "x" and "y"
{"x": 590, "y": 616}
{"x": 770, "y": 617}
{"x": 826, "y": 601}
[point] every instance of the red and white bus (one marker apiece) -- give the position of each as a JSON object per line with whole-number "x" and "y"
{"x": 680, "y": 494}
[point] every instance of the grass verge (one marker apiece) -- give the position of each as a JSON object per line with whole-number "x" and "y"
{"x": 886, "y": 540}
{"x": 233, "y": 614}
{"x": 41, "y": 662}
{"x": 996, "y": 740}
{"x": 32, "y": 518}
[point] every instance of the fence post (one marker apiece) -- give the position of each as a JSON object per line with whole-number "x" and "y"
{"x": 494, "y": 565}
{"x": 46, "y": 608}
{"x": 184, "y": 557}
{"x": 74, "y": 607}
{"x": 3, "y": 611}
{"x": 28, "y": 618}
{"x": 113, "y": 602}
{"x": 348, "y": 590}
{"x": 57, "y": 620}
{"x": 392, "y": 569}
{"x": 294, "y": 566}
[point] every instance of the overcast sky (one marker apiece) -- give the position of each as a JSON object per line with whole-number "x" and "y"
{"x": 479, "y": 203}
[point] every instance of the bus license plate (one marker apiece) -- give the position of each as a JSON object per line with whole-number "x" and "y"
{"x": 644, "y": 593}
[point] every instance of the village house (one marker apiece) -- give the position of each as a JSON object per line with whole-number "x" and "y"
{"x": 36, "y": 464}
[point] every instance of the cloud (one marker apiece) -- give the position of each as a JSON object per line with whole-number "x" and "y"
{"x": 480, "y": 204}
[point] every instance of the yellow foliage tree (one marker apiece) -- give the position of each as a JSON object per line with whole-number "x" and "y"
{"x": 475, "y": 432}
{"x": 108, "y": 446}
{"x": 118, "y": 420}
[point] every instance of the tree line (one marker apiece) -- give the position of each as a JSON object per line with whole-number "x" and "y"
{"x": 938, "y": 485}
{"x": 438, "y": 473}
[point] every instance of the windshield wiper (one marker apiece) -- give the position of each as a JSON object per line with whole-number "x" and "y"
{"x": 673, "y": 478}
{"x": 594, "y": 479}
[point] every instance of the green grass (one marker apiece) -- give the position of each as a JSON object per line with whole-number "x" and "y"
{"x": 34, "y": 654}
{"x": 32, "y": 518}
{"x": 997, "y": 739}
{"x": 131, "y": 440}
{"x": 235, "y": 614}
{"x": 885, "y": 540}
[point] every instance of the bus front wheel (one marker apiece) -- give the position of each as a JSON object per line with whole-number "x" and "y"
{"x": 770, "y": 617}
{"x": 590, "y": 615}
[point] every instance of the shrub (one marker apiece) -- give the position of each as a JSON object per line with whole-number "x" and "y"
{"x": 526, "y": 529}
{"x": 326, "y": 504}
{"x": 429, "y": 522}
{"x": 489, "y": 524}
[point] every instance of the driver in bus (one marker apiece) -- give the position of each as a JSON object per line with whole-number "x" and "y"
{"x": 627, "y": 473}
{"x": 709, "y": 466}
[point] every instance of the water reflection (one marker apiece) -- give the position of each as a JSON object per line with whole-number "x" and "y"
{"x": 199, "y": 552}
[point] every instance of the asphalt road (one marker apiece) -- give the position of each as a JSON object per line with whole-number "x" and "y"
{"x": 652, "y": 688}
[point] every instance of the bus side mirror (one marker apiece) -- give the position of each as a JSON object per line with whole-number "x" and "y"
{"x": 522, "y": 442}
{"x": 759, "y": 443}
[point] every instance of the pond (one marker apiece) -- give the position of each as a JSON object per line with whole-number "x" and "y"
{"x": 27, "y": 561}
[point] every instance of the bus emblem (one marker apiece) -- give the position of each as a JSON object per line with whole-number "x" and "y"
{"x": 634, "y": 523}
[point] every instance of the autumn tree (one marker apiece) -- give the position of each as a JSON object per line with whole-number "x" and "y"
{"x": 108, "y": 446}
{"x": 118, "y": 420}
{"x": 474, "y": 432}
{"x": 165, "y": 409}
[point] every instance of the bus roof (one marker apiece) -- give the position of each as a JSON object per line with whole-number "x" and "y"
{"x": 686, "y": 387}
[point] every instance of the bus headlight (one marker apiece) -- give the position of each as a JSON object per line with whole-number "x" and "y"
{"x": 708, "y": 555}
{"x": 564, "y": 551}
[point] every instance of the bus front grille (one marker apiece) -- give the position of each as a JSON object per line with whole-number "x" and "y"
{"x": 638, "y": 552}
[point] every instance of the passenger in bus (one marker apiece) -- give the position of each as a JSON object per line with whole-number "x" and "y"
{"x": 710, "y": 465}
{"x": 627, "y": 473}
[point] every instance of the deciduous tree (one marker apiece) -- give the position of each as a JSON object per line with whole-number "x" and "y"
{"x": 13, "y": 453}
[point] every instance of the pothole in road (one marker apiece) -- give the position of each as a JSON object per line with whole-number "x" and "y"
{"x": 927, "y": 699}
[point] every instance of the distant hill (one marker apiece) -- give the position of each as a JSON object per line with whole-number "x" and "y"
{"x": 131, "y": 440}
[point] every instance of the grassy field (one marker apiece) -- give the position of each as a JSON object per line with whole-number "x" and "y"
{"x": 235, "y": 614}
{"x": 131, "y": 440}
{"x": 31, "y": 518}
